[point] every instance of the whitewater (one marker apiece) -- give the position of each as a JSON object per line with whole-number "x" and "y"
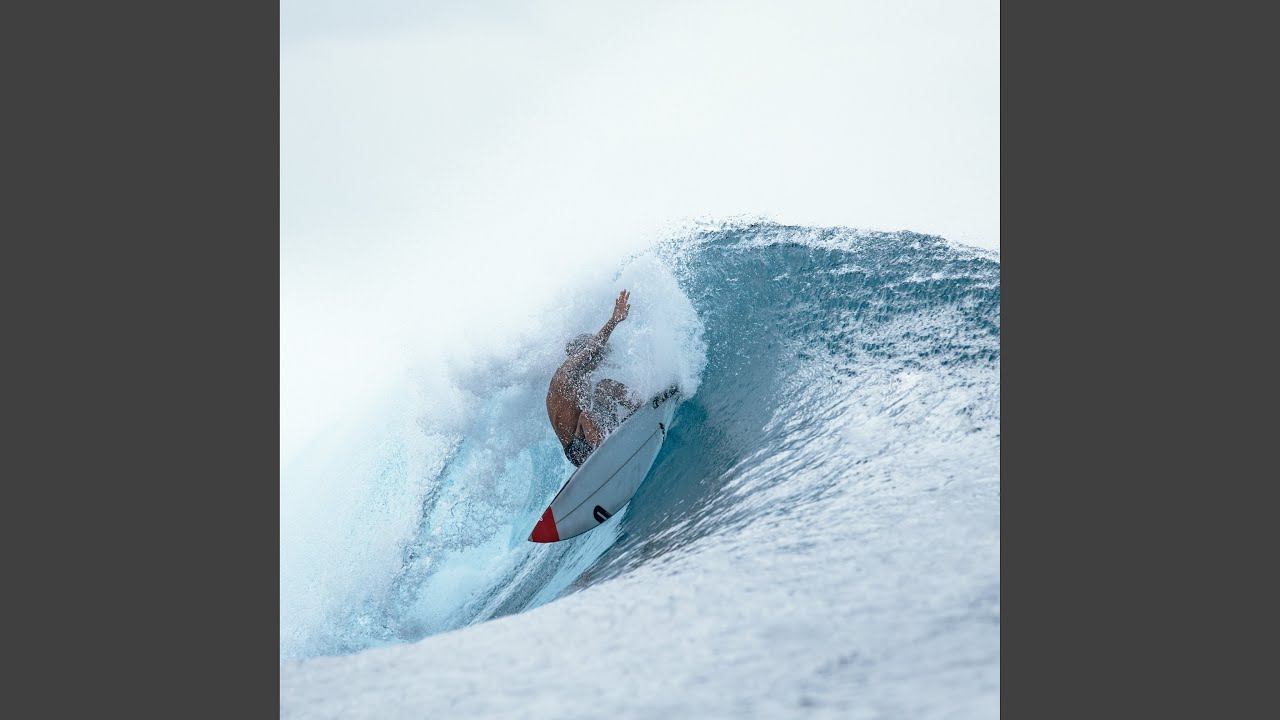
{"x": 819, "y": 536}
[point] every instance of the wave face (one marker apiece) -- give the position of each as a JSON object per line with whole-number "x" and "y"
{"x": 830, "y": 481}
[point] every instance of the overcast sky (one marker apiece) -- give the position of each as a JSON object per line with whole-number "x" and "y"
{"x": 421, "y": 141}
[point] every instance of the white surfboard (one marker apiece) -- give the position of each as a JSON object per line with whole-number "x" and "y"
{"x": 607, "y": 479}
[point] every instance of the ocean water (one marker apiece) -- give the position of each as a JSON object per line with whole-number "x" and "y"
{"x": 819, "y": 536}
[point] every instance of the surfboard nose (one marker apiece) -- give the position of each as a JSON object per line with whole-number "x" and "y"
{"x": 545, "y": 530}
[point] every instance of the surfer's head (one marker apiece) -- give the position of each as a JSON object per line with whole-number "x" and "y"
{"x": 577, "y": 344}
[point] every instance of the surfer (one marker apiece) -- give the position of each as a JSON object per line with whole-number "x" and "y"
{"x": 580, "y": 415}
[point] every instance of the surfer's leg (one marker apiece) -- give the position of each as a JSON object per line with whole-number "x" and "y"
{"x": 589, "y": 429}
{"x": 609, "y": 405}
{"x": 612, "y": 390}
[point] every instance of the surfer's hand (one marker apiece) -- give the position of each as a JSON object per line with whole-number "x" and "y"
{"x": 621, "y": 307}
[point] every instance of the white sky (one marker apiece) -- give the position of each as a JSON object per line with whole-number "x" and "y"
{"x": 450, "y": 156}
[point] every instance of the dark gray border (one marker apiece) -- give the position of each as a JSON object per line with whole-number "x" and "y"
{"x": 1128, "y": 132}
{"x": 141, "y": 273}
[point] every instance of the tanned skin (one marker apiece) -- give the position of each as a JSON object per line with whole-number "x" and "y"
{"x": 569, "y": 393}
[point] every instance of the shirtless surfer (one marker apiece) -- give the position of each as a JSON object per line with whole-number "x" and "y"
{"x": 579, "y": 414}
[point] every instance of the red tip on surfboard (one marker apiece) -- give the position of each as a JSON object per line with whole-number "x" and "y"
{"x": 545, "y": 530}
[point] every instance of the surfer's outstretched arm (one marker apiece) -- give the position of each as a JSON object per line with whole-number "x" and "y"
{"x": 590, "y": 356}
